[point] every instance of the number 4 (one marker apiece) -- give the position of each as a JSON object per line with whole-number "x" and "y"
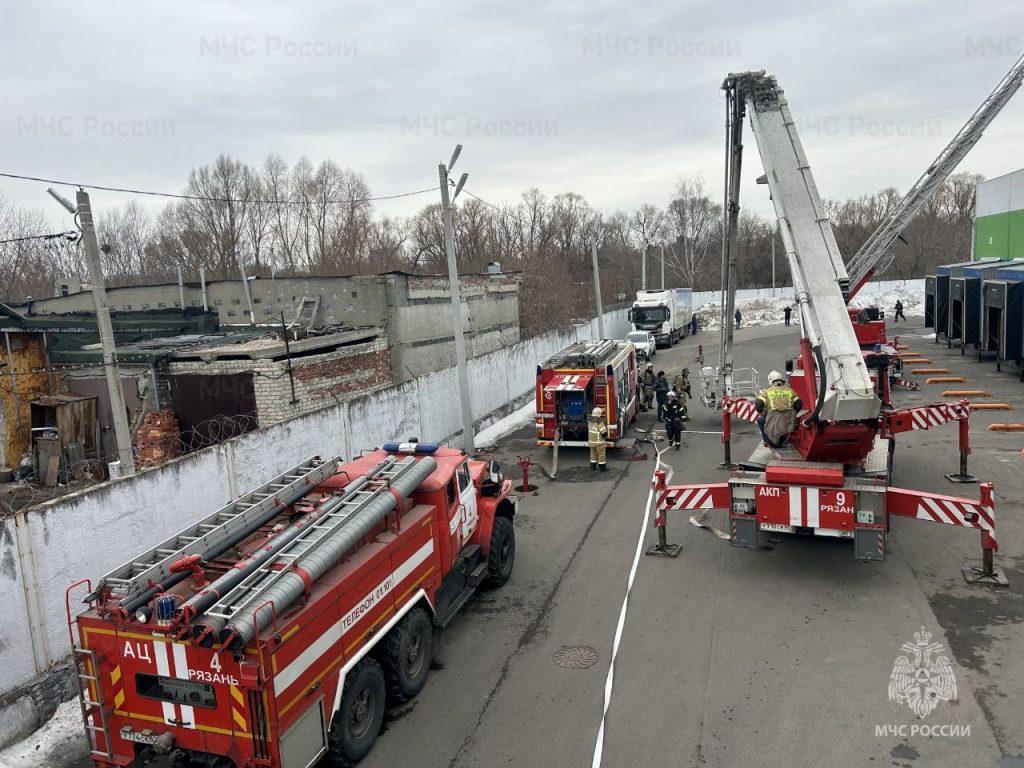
{"x": 215, "y": 662}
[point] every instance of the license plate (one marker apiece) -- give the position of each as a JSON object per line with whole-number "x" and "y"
{"x": 776, "y": 527}
{"x": 140, "y": 738}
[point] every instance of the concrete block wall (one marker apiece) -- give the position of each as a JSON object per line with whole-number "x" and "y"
{"x": 46, "y": 548}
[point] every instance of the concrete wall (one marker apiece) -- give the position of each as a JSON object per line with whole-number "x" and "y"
{"x": 420, "y": 319}
{"x": 46, "y": 548}
{"x": 414, "y": 309}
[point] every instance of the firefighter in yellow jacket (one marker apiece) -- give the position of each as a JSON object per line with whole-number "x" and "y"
{"x": 778, "y": 406}
{"x": 597, "y": 433}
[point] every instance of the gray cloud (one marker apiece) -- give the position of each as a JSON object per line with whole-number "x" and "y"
{"x": 612, "y": 100}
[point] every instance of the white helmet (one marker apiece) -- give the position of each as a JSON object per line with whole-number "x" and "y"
{"x": 597, "y": 412}
{"x": 671, "y": 393}
{"x": 776, "y": 378}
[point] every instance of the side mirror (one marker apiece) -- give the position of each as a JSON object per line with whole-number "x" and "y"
{"x": 494, "y": 470}
{"x": 789, "y": 366}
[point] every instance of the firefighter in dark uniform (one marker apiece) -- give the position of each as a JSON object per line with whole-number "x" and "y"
{"x": 778, "y": 406}
{"x": 597, "y": 434}
{"x": 674, "y": 415}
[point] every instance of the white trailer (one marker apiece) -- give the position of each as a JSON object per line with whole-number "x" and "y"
{"x": 663, "y": 314}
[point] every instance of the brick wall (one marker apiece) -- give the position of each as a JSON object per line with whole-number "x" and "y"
{"x": 28, "y": 357}
{"x": 320, "y": 380}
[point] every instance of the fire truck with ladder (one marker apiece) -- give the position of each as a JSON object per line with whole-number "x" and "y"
{"x": 275, "y": 631}
{"x": 833, "y": 476}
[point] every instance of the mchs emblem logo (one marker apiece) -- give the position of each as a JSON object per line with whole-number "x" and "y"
{"x": 920, "y": 679}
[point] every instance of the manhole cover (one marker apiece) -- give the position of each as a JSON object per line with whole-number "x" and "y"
{"x": 575, "y": 656}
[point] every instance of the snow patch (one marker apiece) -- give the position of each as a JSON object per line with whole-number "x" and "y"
{"x": 518, "y": 419}
{"x": 60, "y": 742}
{"x": 764, "y": 310}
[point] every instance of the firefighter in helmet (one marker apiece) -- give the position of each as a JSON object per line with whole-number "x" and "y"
{"x": 597, "y": 433}
{"x": 778, "y": 406}
{"x": 674, "y": 415}
{"x": 681, "y": 384}
{"x": 647, "y": 383}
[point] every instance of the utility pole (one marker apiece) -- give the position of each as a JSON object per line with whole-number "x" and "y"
{"x": 453, "y": 285}
{"x": 774, "y": 235}
{"x": 118, "y": 412}
{"x": 597, "y": 284}
{"x": 245, "y": 286}
{"x": 181, "y": 290}
{"x": 643, "y": 267}
{"x": 663, "y": 266}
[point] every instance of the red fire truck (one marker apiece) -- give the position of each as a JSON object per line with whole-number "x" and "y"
{"x": 275, "y": 631}
{"x": 581, "y": 377}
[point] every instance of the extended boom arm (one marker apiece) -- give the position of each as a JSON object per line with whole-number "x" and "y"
{"x": 876, "y": 254}
{"x": 819, "y": 275}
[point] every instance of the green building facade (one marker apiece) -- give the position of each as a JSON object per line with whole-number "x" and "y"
{"x": 999, "y": 218}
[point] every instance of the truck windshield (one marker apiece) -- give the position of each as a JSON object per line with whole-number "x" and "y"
{"x": 647, "y": 315}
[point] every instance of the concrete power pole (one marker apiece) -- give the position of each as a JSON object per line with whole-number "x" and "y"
{"x": 663, "y": 266}
{"x": 643, "y": 267}
{"x": 597, "y": 286}
{"x": 119, "y": 413}
{"x": 453, "y": 284}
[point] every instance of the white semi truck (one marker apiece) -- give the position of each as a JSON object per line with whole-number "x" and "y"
{"x": 665, "y": 313}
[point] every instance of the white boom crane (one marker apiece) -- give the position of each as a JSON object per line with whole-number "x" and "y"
{"x": 876, "y": 254}
{"x": 819, "y": 274}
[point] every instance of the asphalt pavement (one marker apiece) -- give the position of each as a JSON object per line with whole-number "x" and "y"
{"x": 729, "y": 657}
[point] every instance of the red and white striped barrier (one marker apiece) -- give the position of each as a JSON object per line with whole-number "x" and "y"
{"x": 928, "y": 416}
{"x": 949, "y": 510}
{"x": 741, "y": 408}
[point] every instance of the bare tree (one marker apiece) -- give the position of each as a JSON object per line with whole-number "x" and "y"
{"x": 693, "y": 227}
{"x": 126, "y": 232}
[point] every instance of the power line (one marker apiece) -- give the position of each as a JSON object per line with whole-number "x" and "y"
{"x": 69, "y": 236}
{"x": 203, "y": 198}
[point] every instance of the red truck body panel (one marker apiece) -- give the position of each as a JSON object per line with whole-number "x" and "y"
{"x": 153, "y": 679}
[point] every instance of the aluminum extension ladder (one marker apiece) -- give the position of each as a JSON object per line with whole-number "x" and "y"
{"x": 247, "y": 594}
{"x": 136, "y": 576}
{"x": 94, "y": 713}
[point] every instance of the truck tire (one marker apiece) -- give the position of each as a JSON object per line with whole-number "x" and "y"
{"x": 503, "y": 553}
{"x": 408, "y": 649}
{"x": 356, "y": 724}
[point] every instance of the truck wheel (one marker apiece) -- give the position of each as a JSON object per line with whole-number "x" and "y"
{"x": 408, "y": 648}
{"x": 356, "y": 724}
{"x": 503, "y": 552}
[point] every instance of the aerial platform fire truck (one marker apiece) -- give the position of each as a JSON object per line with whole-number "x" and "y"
{"x": 275, "y": 631}
{"x": 833, "y": 476}
{"x": 584, "y": 376}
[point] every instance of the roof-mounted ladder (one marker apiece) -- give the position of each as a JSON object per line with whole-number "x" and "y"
{"x": 248, "y": 594}
{"x": 231, "y": 520}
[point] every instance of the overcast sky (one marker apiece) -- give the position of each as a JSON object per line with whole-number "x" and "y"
{"x": 611, "y": 100}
